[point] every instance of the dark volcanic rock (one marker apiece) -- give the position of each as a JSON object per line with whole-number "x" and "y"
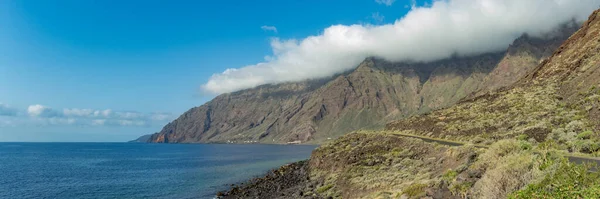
{"x": 289, "y": 181}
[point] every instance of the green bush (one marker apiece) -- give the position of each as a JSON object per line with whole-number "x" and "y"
{"x": 568, "y": 181}
{"x": 461, "y": 189}
{"x": 325, "y": 188}
{"x": 585, "y": 135}
{"x": 522, "y": 137}
{"x": 526, "y": 146}
{"x": 450, "y": 175}
{"x": 547, "y": 145}
{"x": 584, "y": 146}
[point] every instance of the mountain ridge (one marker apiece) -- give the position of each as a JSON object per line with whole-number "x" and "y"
{"x": 367, "y": 97}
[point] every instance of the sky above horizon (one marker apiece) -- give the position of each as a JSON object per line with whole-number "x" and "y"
{"x": 65, "y": 63}
{"x": 83, "y": 70}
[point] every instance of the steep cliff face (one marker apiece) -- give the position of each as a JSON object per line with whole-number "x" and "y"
{"x": 239, "y": 115}
{"x": 523, "y": 56}
{"x": 368, "y": 97}
{"x": 374, "y": 93}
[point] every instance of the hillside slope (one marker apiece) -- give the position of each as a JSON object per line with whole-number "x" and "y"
{"x": 557, "y": 101}
{"x": 522, "y": 133}
{"x": 374, "y": 93}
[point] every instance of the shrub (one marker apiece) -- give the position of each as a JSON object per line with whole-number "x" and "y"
{"x": 509, "y": 166}
{"x": 575, "y": 125}
{"x": 461, "y": 189}
{"x": 415, "y": 190}
{"x": 567, "y": 137}
{"x": 584, "y": 146}
{"x": 585, "y": 135}
{"x": 568, "y": 181}
{"x": 325, "y": 188}
{"x": 526, "y": 146}
{"x": 450, "y": 175}
{"x": 510, "y": 173}
{"x": 522, "y": 137}
{"x": 547, "y": 145}
{"x": 478, "y": 140}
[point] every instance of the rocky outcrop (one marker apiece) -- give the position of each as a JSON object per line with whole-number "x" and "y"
{"x": 288, "y": 181}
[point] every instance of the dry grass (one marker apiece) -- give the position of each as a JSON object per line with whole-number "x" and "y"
{"x": 533, "y": 113}
{"x": 384, "y": 165}
{"x": 367, "y": 164}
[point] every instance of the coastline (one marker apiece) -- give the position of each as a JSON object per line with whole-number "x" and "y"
{"x": 287, "y": 181}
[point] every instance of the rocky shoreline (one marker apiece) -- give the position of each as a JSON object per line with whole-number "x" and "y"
{"x": 288, "y": 181}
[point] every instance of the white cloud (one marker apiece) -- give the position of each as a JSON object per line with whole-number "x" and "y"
{"x": 444, "y": 28}
{"x": 161, "y": 116}
{"x": 42, "y": 111}
{"x": 118, "y": 122}
{"x": 74, "y": 112}
{"x": 6, "y": 110}
{"x": 98, "y": 122}
{"x": 131, "y": 123}
{"x": 42, "y": 115}
{"x": 385, "y": 2}
{"x": 61, "y": 121}
{"x": 269, "y": 28}
{"x": 130, "y": 115}
{"x": 378, "y": 18}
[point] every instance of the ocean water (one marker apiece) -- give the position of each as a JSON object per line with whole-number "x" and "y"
{"x": 134, "y": 170}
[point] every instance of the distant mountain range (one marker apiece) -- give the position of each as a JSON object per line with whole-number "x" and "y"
{"x": 143, "y": 138}
{"x": 368, "y": 97}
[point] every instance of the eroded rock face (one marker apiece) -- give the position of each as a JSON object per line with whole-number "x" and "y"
{"x": 523, "y": 56}
{"x": 368, "y": 97}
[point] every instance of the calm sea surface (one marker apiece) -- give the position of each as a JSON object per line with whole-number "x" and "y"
{"x": 133, "y": 170}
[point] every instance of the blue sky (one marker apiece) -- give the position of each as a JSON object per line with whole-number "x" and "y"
{"x": 140, "y": 57}
{"x": 86, "y": 70}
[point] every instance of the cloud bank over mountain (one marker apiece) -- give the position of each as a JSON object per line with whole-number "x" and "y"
{"x": 443, "y": 29}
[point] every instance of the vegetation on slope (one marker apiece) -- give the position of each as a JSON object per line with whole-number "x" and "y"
{"x": 527, "y": 127}
{"x": 535, "y": 114}
{"x": 559, "y": 100}
{"x": 569, "y": 180}
{"x": 384, "y": 165}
